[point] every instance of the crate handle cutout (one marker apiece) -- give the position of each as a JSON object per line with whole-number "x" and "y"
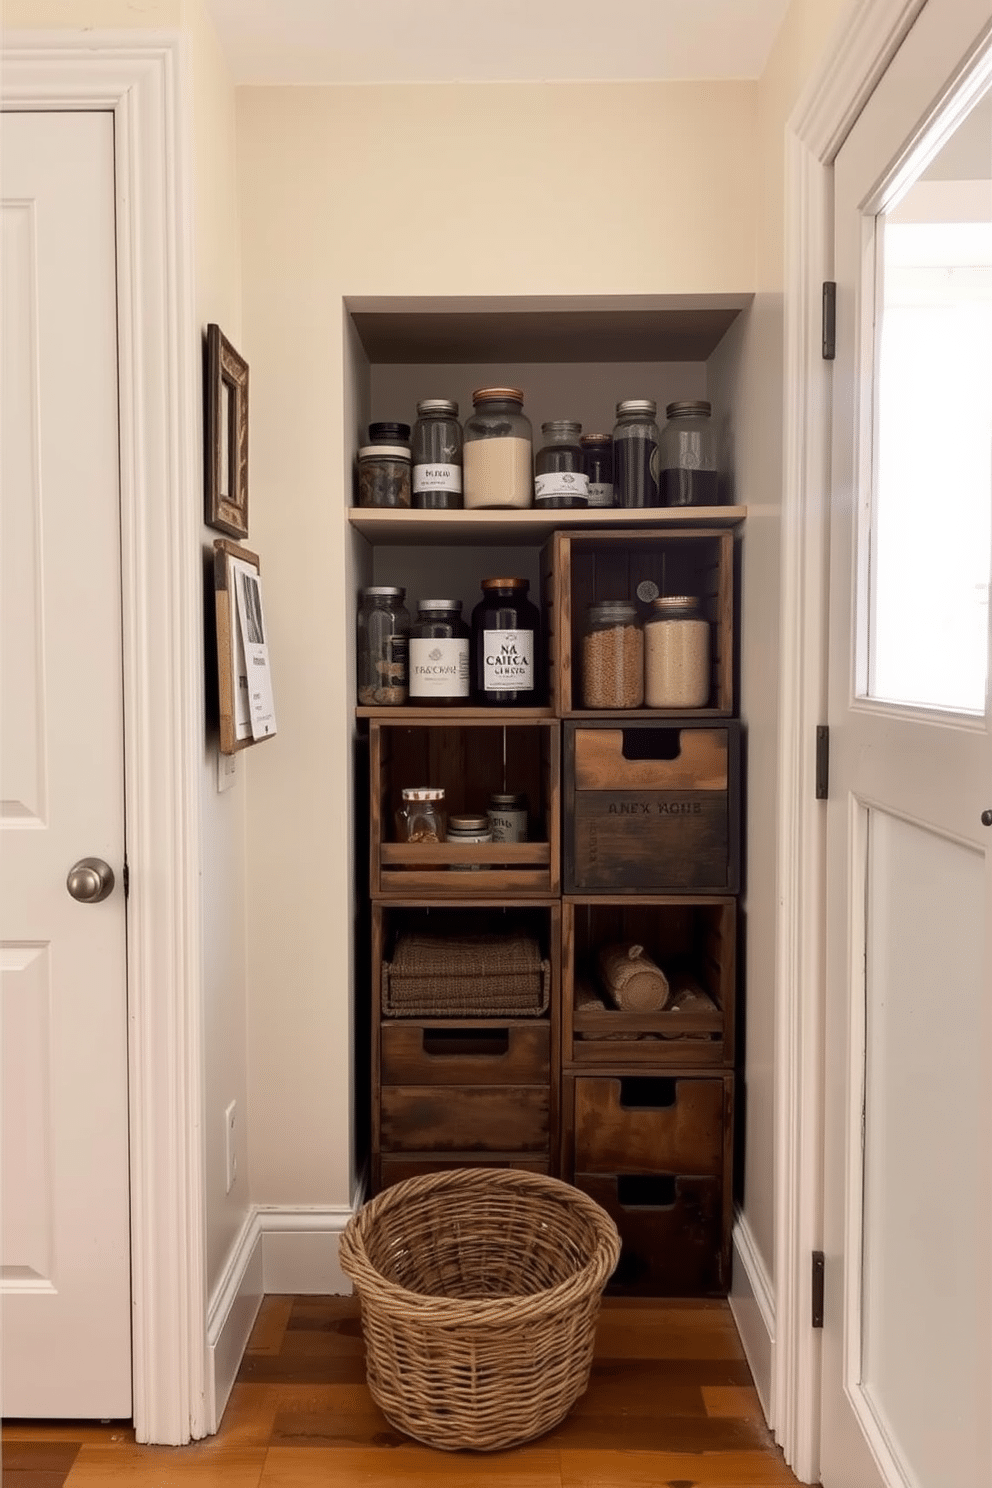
{"x": 646, "y": 1190}
{"x": 647, "y": 1092}
{"x": 453, "y": 1042}
{"x": 652, "y": 743}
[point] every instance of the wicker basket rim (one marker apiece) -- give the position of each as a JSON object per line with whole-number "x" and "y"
{"x": 447, "y": 1312}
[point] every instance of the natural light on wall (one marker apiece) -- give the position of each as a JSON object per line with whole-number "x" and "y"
{"x": 931, "y": 539}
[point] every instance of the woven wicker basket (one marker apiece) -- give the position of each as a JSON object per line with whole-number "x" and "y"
{"x": 480, "y": 1289}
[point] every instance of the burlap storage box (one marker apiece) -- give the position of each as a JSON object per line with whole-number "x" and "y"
{"x": 476, "y": 975}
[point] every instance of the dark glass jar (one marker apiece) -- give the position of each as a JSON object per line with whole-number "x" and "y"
{"x": 507, "y": 646}
{"x": 383, "y": 637}
{"x": 439, "y": 654}
{"x": 437, "y": 455}
{"x": 688, "y": 456}
{"x": 597, "y": 462}
{"x": 560, "y": 479}
{"x": 635, "y": 453}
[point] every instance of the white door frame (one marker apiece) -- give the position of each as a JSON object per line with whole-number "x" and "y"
{"x": 140, "y": 77}
{"x": 862, "y": 47}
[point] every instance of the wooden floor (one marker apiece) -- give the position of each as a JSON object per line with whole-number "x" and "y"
{"x": 670, "y": 1405}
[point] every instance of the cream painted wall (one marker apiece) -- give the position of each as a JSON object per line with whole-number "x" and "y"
{"x": 756, "y": 457}
{"x": 71, "y": 15}
{"x": 337, "y": 199}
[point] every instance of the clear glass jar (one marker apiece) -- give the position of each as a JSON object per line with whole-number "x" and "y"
{"x": 635, "y": 454}
{"x": 597, "y": 462}
{"x": 469, "y": 831}
{"x": 382, "y": 647}
{"x": 439, "y": 654}
{"x": 421, "y": 818}
{"x": 612, "y": 656}
{"x": 560, "y": 479}
{"x": 676, "y": 654}
{"x": 498, "y": 452}
{"x": 508, "y": 816}
{"x": 384, "y": 475}
{"x": 689, "y": 474}
{"x": 506, "y": 645}
{"x": 437, "y": 455}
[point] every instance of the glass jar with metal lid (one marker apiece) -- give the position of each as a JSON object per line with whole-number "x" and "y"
{"x": 469, "y": 831}
{"x": 382, "y": 642}
{"x": 437, "y": 455}
{"x": 612, "y": 656}
{"x": 506, "y": 645}
{"x": 688, "y": 456}
{"x": 497, "y": 456}
{"x": 508, "y": 816}
{"x": 384, "y": 475}
{"x": 635, "y": 453}
{"x": 421, "y": 818}
{"x": 597, "y": 461}
{"x": 439, "y": 654}
{"x": 560, "y": 479}
{"x": 676, "y": 654}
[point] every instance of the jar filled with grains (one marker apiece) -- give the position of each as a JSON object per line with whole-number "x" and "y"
{"x": 676, "y": 654}
{"x": 612, "y": 656}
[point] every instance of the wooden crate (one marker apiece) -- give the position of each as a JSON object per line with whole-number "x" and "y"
{"x": 693, "y": 941}
{"x": 674, "y": 1233}
{"x": 439, "y": 1053}
{"x": 587, "y": 567}
{"x": 646, "y": 1123}
{"x": 453, "y": 1118}
{"x": 470, "y": 757}
{"x": 652, "y": 807}
{"x": 396, "y": 1169}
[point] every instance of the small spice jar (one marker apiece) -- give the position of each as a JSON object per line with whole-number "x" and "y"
{"x": 560, "y": 479}
{"x": 384, "y": 475}
{"x": 635, "y": 453}
{"x": 597, "y": 462}
{"x": 382, "y": 642}
{"x": 437, "y": 455}
{"x": 508, "y": 816}
{"x": 612, "y": 656}
{"x": 421, "y": 818}
{"x": 469, "y": 831}
{"x": 439, "y": 654}
{"x": 688, "y": 456}
{"x": 676, "y": 654}
{"x": 506, "y": 645}
{"x": 497, "y": 455}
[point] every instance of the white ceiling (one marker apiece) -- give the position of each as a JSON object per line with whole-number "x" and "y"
{"x": 420, "y": 41}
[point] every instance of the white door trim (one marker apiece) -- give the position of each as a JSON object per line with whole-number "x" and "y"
{"x": 862, "y": 47}
{"x": 140, "y": 77}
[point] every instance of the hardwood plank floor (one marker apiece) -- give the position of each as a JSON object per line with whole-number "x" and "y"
{"x": 670, "y": 1404}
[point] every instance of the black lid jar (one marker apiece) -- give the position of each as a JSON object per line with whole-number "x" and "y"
{"x": 507, "y": 645}
{"x": 597, "y": 462}
{"x": 437, "y": 455}
{"x": 560, "y": 479}
{"x": 439, "y": 654}
{"x": 387, "y": 432}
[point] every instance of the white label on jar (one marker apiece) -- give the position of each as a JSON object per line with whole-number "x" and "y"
{"x": 560, "y": 483}
{"x": 507, "y": 824}
{"x": 600, "y": 495}
{"x": 437, "y": 478}
{"x": 507, "y": 660}
{"x": 438, "y": 668}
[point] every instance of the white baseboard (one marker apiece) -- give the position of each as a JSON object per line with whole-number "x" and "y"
{"x": 279, "y": 1250}
{"x": 752, "y": 1302}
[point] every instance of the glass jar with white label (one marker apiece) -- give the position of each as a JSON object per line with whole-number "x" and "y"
{"x": 507, "y": 646}
{"x": 508, "y": 816}
{"x": 439, "y": 654}
{"x": 437, "y": 455}
{"x": 560, "y": 479}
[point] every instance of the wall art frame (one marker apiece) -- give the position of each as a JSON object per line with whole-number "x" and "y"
{"x": 225, "y": 436}
{"x": 242, "y": 651}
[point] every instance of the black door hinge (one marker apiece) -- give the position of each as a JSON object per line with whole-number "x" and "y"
{"x": 126, "y": 877}
{"x": 822, "y": 761}
{"x": 816, "y": 1299}
{"x": 829, "y": 320}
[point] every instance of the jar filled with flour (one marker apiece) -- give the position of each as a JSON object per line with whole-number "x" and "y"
{"x": 676, "y": 654}
{"x": 497, "y": 456}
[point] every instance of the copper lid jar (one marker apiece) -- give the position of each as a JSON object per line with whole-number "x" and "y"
{"x": 506, "y": 645}
{"x": 497, "y": 454}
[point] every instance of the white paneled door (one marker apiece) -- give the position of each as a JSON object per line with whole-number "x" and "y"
{"x": 907, "y": 1360}
{"x": 65, "y": 1236}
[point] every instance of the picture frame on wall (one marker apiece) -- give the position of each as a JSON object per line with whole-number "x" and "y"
{"x": 247, "y": 708}
{"x": 225, "y": 436}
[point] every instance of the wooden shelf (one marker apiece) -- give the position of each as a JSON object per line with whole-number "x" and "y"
{"x": 414, "y": 713}
{"x": 404, "y": 527}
